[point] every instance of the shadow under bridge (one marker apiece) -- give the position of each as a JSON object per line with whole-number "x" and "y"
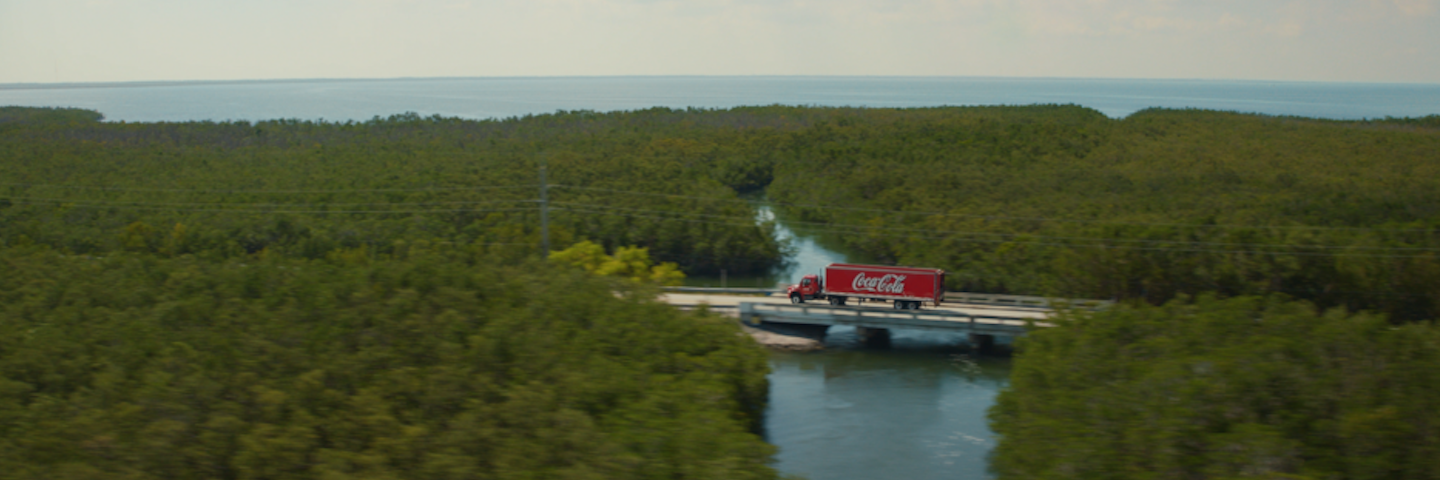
{"x": 873, "y": 324}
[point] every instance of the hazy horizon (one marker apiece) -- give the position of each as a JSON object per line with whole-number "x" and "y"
{"x": 109, "y": 41}
{"x": 163, "y": 82}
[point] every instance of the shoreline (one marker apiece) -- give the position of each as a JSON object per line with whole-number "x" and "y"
{"x": 781, "y": 341}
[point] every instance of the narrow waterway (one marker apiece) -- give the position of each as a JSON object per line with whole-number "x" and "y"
{"x": 808, "y": 254}
{"x": 915, "y": 409}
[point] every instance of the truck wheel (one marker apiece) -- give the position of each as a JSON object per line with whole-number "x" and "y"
{"x": 797, "y": 299}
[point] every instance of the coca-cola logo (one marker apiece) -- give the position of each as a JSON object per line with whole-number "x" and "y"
{"x": 889, "y": 283}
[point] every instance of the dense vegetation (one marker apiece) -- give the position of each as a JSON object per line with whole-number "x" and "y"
{"x": 306, "y": 189}
{"x": 428, "y": 364}
{"x": 1050, "y": 200}
{"x": 266, "y": 299}
{"x": 1064, "y": 201}
{"x": 1238, "y": 388}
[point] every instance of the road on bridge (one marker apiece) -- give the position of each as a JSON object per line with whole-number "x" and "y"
{"x": 722, "y": 300}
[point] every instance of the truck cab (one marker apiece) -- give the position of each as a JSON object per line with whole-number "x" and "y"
{"x": 809, "y": 288}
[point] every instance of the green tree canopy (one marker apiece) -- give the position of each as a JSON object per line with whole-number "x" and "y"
{"x": 438, "y": 365}
{"x": 1248, "y": 387}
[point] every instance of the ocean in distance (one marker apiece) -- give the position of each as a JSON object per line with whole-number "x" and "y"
{"x": 503, "y": 97}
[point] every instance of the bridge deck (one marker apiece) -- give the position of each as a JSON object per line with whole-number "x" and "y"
{"x": 734, "y": 301}
{"x": 1006, "y": 318}
{"x": 872, "y": 317}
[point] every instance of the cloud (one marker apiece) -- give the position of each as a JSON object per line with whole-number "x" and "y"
{"x": 1416, "y": 8}
{"x": 1232, "y": 21}
{"x": 1288, "y": 29}
{"x": 61, "y": 40}
{"x": 1147, "y": 19}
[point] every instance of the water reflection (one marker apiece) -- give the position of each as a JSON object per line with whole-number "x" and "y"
{"x": 915, "y": 410}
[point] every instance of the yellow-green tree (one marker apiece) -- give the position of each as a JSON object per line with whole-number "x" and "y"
{"x": 633, "y": 263}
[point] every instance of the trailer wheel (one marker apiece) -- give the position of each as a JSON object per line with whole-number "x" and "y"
{"x": 797, "y": 299}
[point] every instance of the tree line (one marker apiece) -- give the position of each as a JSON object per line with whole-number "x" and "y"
{"x": 1277, "y": 280}
{"x": 1043, "y": 200}
{"x": 1063, "y": 201}
{"x": 304, "y": 189}
{"x": 427, "y": 363}
{"x": 1203, "y": 387}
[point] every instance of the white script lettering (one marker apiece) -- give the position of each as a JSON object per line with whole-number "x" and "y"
{"x": 890, "y": 283}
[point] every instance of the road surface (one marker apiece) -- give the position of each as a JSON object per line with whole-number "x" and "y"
{"x": 718, "y": 300}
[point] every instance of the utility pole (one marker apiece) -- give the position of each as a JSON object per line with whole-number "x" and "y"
{"x": 544, "y": 213}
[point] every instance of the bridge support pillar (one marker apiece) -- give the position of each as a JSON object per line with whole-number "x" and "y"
{"x": 873, "y": 336}
{"x": 982, "y": 343}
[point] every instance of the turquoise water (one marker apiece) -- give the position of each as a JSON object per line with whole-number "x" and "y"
{"x": 915, "y": 409}
{"x": 480, "y": 98}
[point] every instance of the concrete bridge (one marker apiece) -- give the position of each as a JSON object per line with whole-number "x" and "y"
{"x": 981, "y": 321}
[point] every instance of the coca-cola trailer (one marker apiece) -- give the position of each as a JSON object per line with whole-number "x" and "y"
{"x": 907, "y": 287}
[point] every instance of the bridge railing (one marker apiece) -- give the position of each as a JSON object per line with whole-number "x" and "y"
{"x": 1024, "y": 301}
{"x": 734, "y": 291}
{"x": 753, "y": 313}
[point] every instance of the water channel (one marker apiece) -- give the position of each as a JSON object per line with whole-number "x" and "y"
{"x": 914, "y": 410}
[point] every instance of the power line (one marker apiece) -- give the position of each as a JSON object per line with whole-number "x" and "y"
{"x": 849, "y": 228}
{"x": 606, "y": 207}
{"x": 257, "y": 210}
{"x": 1076, "y": 245}
{"x": 995, "y": 217}
{"x": 188, "y": 190}
{"x": 621, "y": 214}
{"x": 653, "y": 194}
{"x": 33, "y": 201}
{"x": 1131, "y": 247}
{"x": 732, "y": 200}
{"x": 866, "y": 229}
{"x": 887, "y": 231}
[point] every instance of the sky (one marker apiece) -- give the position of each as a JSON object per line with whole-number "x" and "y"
{"x": 62, "y": 41}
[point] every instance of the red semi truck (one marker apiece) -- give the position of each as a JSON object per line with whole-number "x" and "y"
{"x": 907, "y": 287}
